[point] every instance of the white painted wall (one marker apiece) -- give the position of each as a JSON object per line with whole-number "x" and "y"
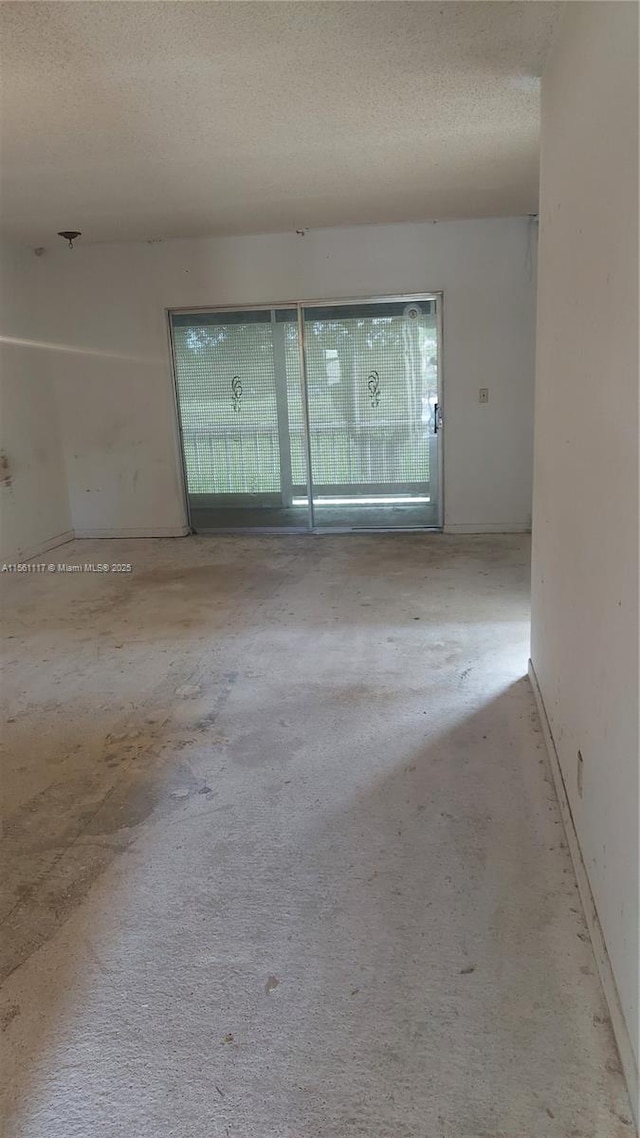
{"x": 105, "y": 305}
{"x": 585, "y": 545}
{"x": 34, "y": 506}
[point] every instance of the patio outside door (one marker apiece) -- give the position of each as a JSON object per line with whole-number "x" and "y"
{"x": 311, "y": 417}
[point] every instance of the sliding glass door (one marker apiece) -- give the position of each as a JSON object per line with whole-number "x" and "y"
{"x": 242, "y": 419}
{"x": 372, "y": 390}
{"x": 310, "y": 417}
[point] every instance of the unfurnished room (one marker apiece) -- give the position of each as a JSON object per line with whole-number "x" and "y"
{"x": 319, "y": 523}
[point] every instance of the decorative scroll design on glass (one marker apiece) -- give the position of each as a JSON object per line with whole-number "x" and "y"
{"x": 236, "y": 392}
{"x": 373, "y": 385}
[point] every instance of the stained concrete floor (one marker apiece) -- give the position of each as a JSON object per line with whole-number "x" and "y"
{"x": 282, "y": 853}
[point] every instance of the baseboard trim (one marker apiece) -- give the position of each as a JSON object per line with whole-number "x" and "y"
{"x": 152, "y": 531}
{"x": 486, "y": 527}
{"x": 605, "y": 971}
{"x": 37, "y": 550}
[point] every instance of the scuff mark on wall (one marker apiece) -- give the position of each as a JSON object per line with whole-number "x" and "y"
{"x": 5, "y": 470}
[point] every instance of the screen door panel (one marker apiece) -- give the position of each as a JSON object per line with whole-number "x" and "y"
{"x": 334, "y": 429}
{"x": 372, "y": 380}
{"x": 239, "y": 394}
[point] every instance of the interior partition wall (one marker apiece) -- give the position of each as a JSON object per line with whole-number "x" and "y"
{"x": 311, "y": 416}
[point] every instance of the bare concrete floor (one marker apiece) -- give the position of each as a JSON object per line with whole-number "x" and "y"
{"x": 282, "y": 856}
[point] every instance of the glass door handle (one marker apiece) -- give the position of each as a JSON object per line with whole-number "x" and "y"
{"x": 438, "y": 421}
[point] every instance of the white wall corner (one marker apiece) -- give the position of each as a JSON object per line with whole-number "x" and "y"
{"x": 621, "y": 1032}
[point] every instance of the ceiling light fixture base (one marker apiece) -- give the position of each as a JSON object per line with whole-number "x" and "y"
{"x": 69, "y": 235}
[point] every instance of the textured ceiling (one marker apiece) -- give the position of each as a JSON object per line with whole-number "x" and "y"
{"x": 152, "y": 120}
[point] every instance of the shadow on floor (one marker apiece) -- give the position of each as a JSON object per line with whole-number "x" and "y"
{"x": 285, "y": 934}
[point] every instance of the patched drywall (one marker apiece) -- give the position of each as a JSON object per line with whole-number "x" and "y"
{"x": 103, "y": 307}
{"x": 34, "y": 506}
{"x": 585, "y": 549}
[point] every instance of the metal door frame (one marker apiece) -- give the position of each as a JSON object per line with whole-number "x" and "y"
{"x": 298, "y": 306}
